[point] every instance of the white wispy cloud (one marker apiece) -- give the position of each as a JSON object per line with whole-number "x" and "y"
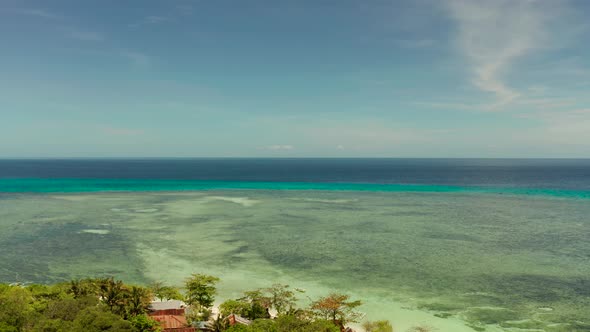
{"x": 171, "y": 15}
{"x": 371, "y": 135}
{"x": 155, "y": 19}
{"x": 570, "y": 127}
{"x": 547, "y": 103}
{"x": 185, "y": 9}
{"x": 36, "y": 12}
{"x": 148, "y": 20}
{"x": 415, "y": 43}
{"x": 572, "y": 117}
{"x": 574, "y": 66}
{"x": 279, "y": 147}
{"x": 491, "y": 35}
{"x": 448, "y": 105}
{"x": 137, "y": 58}
{"x": 84, "y": 35}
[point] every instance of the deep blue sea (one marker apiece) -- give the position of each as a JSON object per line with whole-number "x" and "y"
{"x": 561, "y": 177}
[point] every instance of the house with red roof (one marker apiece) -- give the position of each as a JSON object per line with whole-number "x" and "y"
{"x": 171, "y": 315}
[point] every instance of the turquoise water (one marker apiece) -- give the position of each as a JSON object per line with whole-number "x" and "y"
{"x": 486, "y": 261}
{"x": 460, "y": 245}
{"x": 105, "y": 185}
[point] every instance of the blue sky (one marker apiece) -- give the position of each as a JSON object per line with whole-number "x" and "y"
{"x": 306, "y": 78}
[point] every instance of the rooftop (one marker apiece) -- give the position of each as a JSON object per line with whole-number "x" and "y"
{"x": 165, "y": 305}
{"x": 171, "y": 321}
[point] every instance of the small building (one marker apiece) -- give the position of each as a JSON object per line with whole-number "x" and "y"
{"x": 171, "y": 314}
{"x": 171, "y": 307}
{"x": 235, "y": 319}
{"x": 173, "y": 323}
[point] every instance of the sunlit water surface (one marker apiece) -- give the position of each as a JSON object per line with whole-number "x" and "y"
{"x": 455, "y": 261}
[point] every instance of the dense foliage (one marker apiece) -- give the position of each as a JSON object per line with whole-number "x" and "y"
{"x": 107, "y": 304}
{"x": 80, "y": 305}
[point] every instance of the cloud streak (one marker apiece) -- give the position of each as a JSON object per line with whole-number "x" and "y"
{"x": 148, "y": 20}
{"x": 37, "y": 13}
{"x": 84, "y": 35}
{"x": 491, "y": 35}
{"x": 279, "y": 147}
{"x": 138, "y": 59}
{"x": 415, "y": 43}
{"x": 566, "y": 128}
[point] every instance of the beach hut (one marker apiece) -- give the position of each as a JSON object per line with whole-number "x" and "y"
{"x": 235, "y": 319}
{"x": 171, "y": 315}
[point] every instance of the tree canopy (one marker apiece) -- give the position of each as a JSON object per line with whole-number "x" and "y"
{"x": 378, "y": 326}
{"x": 107, "y": 304}
{"x": 79, "y": 305}
{"x": 200, "y": 290}
{"x": 337, "y": 308}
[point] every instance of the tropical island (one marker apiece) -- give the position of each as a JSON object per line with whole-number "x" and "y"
{"x": 107, "y": 304}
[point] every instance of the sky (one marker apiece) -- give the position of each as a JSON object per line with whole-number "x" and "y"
{"x": 304, "y": 78}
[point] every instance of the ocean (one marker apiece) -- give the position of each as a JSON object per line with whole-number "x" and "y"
{"x": 552, "y": 176}
{"x": 455, "y": 244}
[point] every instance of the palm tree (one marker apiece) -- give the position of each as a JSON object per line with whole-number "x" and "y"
{"x": 138, "y": 300}
{"x": 112, "y": 293}
{"x": 218, "y": 324}
{"x": 82, "y": 287}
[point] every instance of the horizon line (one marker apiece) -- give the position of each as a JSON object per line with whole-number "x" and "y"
{"x": 285, "y": 158}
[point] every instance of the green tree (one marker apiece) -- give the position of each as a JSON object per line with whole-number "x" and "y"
{"x": 259, "y": 304}
{"x": 281, "y": 298}
{"x": 378, "y": 326}
{"x": 137, "y": 301}
{"x": 95, "y": 319}
{"x": 243, "y": 328}
{"x": 156, "y": 288}
{"x": 51, "y": 325}
{"x": 219, "y": 324}
{"x": 289, "y": 323}
{"x": 113, "y": 294}
{"x": 286, "y": 323}
{"x": 234, "y": 307}
{"x": 43, "y": 295}
{"x": 167, "y": 293}
{"x": 337, "y": 308}
{"x": 5, "y": 327}
{"x": 200, "y": 294}
{"x": 84, "y": 287}
{"x": 144, "y": 323}
{"x": 267, "y": 325}
{"x": 68, "y": 309}
{"x": 256, "y": 304}
{"x": 16, "y": 307}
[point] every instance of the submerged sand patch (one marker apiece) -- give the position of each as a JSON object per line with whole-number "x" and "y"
{"x": 146, "y": 210}
{"x": 329, "y": 201}
{"x": 244, "y": 201}
{"x": 96, "y": 231}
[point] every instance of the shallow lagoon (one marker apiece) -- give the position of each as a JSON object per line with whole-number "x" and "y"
{"x": 450, "y": 260}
